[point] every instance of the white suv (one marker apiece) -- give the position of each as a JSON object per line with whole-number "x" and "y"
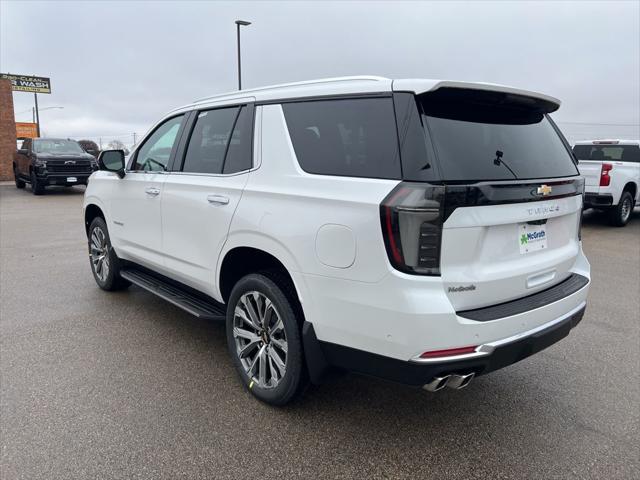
{"x": 611, "y": 169}
{"x": 419, "y": 231}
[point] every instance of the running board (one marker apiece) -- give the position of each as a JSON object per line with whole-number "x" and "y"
{"x": 180, "y": 297}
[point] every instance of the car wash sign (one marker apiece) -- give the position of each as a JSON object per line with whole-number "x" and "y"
{"x": 28, "y": 83}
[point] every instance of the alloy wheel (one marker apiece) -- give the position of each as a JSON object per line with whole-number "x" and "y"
{"x": 260, "y": 339}
{"x": 99, "y": 252}
{"x": 626, "y": 209}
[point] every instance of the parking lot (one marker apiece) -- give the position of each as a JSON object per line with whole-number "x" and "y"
{"x": 124, "y": 385}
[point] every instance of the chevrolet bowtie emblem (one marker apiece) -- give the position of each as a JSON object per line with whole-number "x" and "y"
{"x": 544, "y": 190}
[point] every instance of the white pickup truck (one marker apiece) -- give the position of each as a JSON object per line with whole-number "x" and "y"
{"x": 611, "y": 169}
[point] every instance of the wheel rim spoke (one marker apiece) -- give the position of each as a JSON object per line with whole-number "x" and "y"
{"x": 253, "y": 316}
{"x": 240, "y": 313}
{"x": 281, "y": 344}
{"x": 260, "y": 339}
{"x": 262, "y": 367}
{"x": 253, "y": 364}
{"x": 276, "y": 327}
{"x": 277, "y": 360}
{"x": 246, "y": 334}
{"x": 248, "y": 348}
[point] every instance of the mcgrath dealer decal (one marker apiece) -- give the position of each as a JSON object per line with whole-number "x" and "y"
{"x": 532, "y": 238}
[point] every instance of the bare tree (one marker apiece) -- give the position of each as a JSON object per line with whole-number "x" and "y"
{"x": 89, "y": 146}
{"x": 118, "y": 145}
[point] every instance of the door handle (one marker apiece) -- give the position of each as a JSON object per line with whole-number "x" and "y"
{"x": 218, "y": 199}
{"x": 152, "y": 191}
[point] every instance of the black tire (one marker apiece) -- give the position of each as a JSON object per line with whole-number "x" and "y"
{"x": 19, "y": 183}
{"x": 295, "y": 377}
{"x": 111, "y": 279}
{"x": 620, "y": 214}
{"x": 36, "y": 187}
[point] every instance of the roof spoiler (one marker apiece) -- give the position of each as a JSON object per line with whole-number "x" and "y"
{"x": 540, "y": 101}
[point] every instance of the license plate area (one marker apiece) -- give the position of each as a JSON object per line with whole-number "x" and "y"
{"x": 72, "y": 179}
{"x": 532, "y": 238}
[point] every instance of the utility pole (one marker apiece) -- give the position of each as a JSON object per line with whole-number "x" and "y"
{"x": 100, "y": 142}
{"x": 244, "y": 23}
{"x": 134, "y": 138}
{"x": 33, "y": 114}
{"x": 35, "y": 97}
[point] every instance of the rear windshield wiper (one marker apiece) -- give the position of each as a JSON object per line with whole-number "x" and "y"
{"x": 499, "y": 161}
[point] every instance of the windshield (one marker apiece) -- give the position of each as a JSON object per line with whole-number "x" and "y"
{"x": 479, "y": 139}
{"x": 620, "y": 153}
{"x": 56, "y": 147}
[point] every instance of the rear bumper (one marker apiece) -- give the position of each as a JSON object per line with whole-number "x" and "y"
{"x": 595, "y": 200}
{"x": 487, "y": 358}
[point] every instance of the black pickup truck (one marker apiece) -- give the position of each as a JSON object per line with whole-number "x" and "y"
{"x": 52, "y": 161}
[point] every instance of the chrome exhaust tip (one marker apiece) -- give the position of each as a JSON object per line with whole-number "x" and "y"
{"x": 460, "y": 381}
{"x": 438, "y": 383}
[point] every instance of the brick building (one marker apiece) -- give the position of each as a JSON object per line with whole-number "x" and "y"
{"x": 7, "y": 130}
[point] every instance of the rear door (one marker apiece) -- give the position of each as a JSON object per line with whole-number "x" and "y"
{"x": 201, "y": 196}
{"x": 513, "y": 196}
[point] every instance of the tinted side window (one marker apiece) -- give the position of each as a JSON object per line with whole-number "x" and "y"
{"x": 352, "y": 137}
{"x": 621, "y": 153}
{"x": 240, "y": 152}
{"x": 416, "y": 150}
{"x": 209, "y": 139}
{"x": 155, "y": 152}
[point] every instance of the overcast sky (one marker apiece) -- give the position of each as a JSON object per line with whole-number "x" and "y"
{"x": 116, "y": 67}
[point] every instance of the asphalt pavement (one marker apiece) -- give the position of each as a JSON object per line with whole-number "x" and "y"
{"x": 124, "y": 385}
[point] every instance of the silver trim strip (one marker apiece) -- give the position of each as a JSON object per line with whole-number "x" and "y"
{"x": 488, "y": 348}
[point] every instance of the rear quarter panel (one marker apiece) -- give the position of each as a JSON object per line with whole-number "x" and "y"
{"x": 312, "y": 223}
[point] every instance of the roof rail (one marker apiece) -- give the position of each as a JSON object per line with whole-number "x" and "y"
{"x": 359, "y": 78}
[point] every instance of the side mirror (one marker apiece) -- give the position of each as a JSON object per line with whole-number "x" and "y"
{"x": 23, "y": 151}
{"x": 112, "y": 161}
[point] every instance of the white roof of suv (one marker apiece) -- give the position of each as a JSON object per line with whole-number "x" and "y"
{"x": 359, "y": 84}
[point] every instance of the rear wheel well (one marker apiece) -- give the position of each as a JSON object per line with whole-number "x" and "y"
{"x": 631, "y": 188}
{"x": 242, "y": 261}
{"x": 90, "y": 213}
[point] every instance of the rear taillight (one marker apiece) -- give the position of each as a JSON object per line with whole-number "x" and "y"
{"x": 605, "y": 178}
{"x": 411, "y": 217}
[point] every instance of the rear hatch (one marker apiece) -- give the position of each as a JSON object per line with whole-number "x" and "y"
{"x": 508, "y": 191}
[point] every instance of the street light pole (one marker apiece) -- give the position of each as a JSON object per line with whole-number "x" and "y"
{"x": 35, "y": 97}
{"x": 239, "y": 23}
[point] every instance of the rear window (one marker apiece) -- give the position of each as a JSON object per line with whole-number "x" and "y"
{"x": 480, "y": 137}
{"x": 620, "y": 153}
{"x": 346, "y": 137}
